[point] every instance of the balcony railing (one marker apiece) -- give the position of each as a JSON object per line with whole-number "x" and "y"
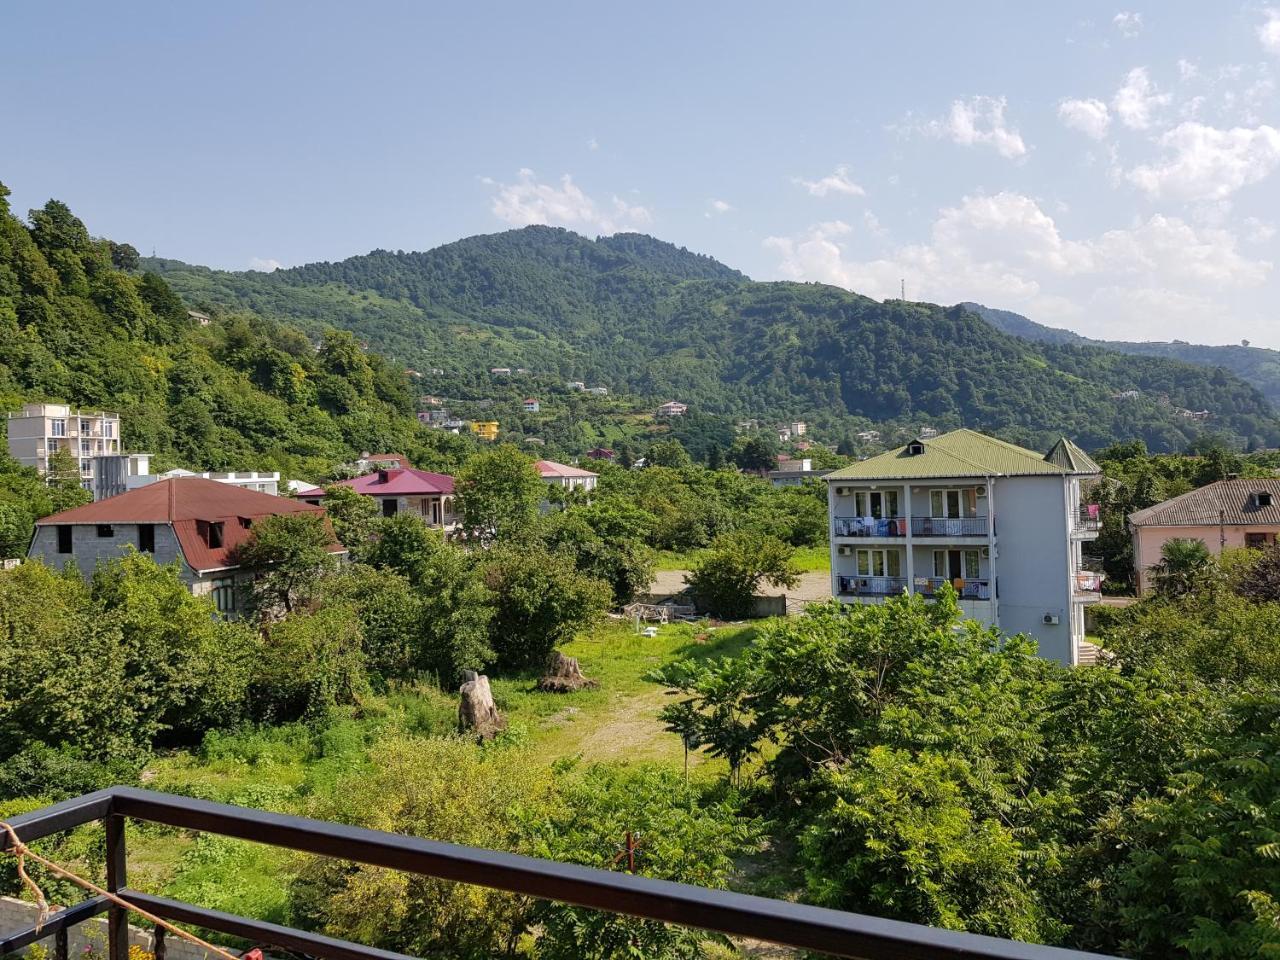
{"x": 1088, "y": 583}
{"x": 1089, "y": 518}
{"x": 871, "y": 527}
{"x": 948, "y": 526}
{"x": 872, "y": 586}
{"x": 966, "y": 589}
{"x": 775, "y": 921}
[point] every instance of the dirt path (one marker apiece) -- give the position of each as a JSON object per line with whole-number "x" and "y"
{"x": 814, "y": 585}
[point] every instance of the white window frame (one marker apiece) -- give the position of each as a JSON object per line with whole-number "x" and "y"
{"x": 877, "y": 562}
{"x": 864, "y": 502}
{"x": 966, "y": 554}
{"x": 58, "y": 427}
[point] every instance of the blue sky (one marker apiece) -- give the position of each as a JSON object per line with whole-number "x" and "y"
{"x": 1108, "y": 168}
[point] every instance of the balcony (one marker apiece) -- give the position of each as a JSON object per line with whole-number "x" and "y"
{"x": 965, "y": 589}
{"x": 948, "y": 526}
{"x": 1087, "y": 585}
{"x": 871, "y": 586}
{"x": 1088, "y": 520}
{"x": 780, "y": 922}
{"x": 871, "y": 527}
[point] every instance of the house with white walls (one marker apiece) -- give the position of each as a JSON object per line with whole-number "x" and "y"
{"x": 1005, "y": 526}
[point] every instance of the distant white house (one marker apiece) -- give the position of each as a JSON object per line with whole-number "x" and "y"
{"x": 531, "y": 405}
{"x": 792, "y": 473}
{"x": 598, "y": 391}
{"x": 256, "y": 480}
{"x": 577, "y": 385}
{"x": 869, "y": 436}
{"x": 500, "y": 371}
{"x": 673, "y": 408}
{"x": 566, "y": 477}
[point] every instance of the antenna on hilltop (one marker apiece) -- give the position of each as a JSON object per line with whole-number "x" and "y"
{"x": 904, "y": 288}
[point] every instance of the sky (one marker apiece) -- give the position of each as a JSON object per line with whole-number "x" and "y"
{"x": 1111, "y": 169}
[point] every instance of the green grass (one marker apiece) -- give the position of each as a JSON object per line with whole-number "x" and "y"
{"x": 807, "y": 559}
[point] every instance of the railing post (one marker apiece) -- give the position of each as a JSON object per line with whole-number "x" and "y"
{"x": 60, "y": 949}
{"x": 157, "y": 943}
{"x": 117, "y": 917}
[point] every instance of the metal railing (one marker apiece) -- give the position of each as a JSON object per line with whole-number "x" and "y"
{"x": 871, "y": 527}
{"x": 965, "y": 588}
{"x": 1088, "y": 583}
{"x": 831, "y": 932}
{"x": 948, "y": 526}
{"x": 1088, "y": 518}
{"x": 872, "y": 586}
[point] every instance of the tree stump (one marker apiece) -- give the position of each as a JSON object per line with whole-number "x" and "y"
{"x": 564, "y": 675}
{"x": 476, "y": 710}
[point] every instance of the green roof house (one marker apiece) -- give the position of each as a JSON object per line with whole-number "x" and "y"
{"x": 1003, "y": 524}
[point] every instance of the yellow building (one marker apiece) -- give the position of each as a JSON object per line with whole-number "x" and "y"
{"x": 484, "y": 429}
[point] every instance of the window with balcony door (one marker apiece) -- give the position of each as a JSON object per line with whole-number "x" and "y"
{"x": 879, "y": 563}
{"x": 86, "y": 448}
{"x": 57, "y": 428}
{"x": 956, "y": 564}
{"x": 953, "y": 504}
{"x": 84, "y": 426}
{"x": 876, "y": 503}
{"x": 108, "y": 428}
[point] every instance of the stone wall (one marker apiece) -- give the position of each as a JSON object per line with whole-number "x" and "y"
{"x": 91, "y": 935}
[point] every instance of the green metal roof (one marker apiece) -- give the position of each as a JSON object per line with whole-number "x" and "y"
{"x": 960, "y": 453}
{"x": 1071, "y": 458}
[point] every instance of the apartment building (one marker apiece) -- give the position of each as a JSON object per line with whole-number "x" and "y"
{"x": 41, "y": 429}
{"x": 1005, "y": 526}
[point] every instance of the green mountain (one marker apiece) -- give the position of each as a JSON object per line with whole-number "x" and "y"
{"x": 80, "y": 323}
{"x": 640, "y": 315}
{"x": 1255, "y": 365}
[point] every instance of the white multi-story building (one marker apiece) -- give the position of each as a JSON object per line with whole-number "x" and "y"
{"x": 255, "y": 480}
{"x": 1002, "y": 524}
{"x": 41, "y": 429}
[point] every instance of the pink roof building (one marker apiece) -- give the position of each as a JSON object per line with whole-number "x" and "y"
{"x": 406, "y": 490}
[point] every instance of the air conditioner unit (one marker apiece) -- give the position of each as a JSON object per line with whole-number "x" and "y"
{"x": 843, "y": 491}
{"x": 845, "y": 551}
{"x": 986, "y": 553}
{"x": 982, "y": 489}
{"x": 1051, "y": 619}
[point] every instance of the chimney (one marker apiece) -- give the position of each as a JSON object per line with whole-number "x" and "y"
{"x": 384, "y": 476}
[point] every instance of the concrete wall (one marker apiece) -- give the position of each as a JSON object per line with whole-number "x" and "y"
{"x": 18, "y": 915}
{"x": 1032, "y": 561}
{"x": 87, "y": 548}
{"x": 1148, "y": 542}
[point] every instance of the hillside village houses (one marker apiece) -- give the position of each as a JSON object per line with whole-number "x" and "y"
{"x": 565, "y": 477}
{"x": 192, "y": 520}
{"x": 1004, "y": 525}
{"x": 531, "y": 405}
{"x": 484, "y": 429}
{"x": 598, "y": 391}
{"x": 1223, "y": 515}
{"x": 673, "y": 408}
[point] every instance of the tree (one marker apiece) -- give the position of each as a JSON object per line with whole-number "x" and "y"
{"x": 725, "y": 581}
{"x": 311, "y": 662}
{"x": 1260, "y": 579}
{"x": 353, "y": 515}
{"x": 124, "y": 256}
{"x": 16, "y": 528}
{"x": 715, "y": 457}
{"x": 625, "y": 563}
{"x": 755, "y": 454}
{"x": 291, "y": 552}
{"x": 669, "y": 453}
{"x": 540, "y": 601}
{"x": 65, "y": 485}
{"x": 498, "y": 492}
{"x": 1184, "y": 567}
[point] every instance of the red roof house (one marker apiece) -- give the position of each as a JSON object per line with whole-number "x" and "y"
{"x": 406, "y": 490}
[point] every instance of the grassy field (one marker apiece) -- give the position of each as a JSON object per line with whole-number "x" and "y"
{"x": 285, "y": 768}
{"x": 808, "y": 559}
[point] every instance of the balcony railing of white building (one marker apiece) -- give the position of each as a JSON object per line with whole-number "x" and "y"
{"x": 871, "y": 526}
{"x": 1087, "y": 583}
{"x": 1088, "y": 518}
{"x": 948, "y": 526}
{"x": 965, "y": 588}
{"x": 871, "y": 586}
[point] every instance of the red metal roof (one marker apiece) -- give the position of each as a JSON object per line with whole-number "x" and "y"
{"x": 405, "y": 482}
{"x": 549, "y": 468}
{"x": 190, "y": 504}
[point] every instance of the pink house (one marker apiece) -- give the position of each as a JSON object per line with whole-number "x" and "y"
{"x": 1222, "y": 515}
{"x": 405, "y": 490}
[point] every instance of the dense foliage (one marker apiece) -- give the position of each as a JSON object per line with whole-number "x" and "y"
{"x": 644, "y": 317}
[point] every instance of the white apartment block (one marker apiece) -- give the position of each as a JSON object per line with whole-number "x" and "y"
{"x": 1005, "y": 526}
{"x": 41, "y": 429}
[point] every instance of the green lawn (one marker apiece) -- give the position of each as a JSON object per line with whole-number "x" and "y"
{"x": 807, "y": 559}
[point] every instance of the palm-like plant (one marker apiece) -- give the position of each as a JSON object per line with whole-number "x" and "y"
{"x": 1185, "y": 566}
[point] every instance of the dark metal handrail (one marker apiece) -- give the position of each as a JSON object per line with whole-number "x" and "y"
{"x": 872, "y": 586}
{"x": 871, "y": 526}
{"x": 775, "y": 921}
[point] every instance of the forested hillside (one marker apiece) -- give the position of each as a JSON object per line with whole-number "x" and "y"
{"x": 80, "y": 323}
{"x": 1255, "y": 365}
{"x": 643, "y": 316}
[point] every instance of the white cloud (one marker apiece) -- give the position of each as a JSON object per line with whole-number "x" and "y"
{"x": 980, "y": 121}
{"x": 1004, "y": 249}
{"x": 1259, "y": 230}
{"x": 1090, "y": 117}
{"x": 593, "y": 143}
{"x": 1269, "y": 31}
{"x": 1137, "y": 99}
{"x": 1205, "y": 163}
{"x": 265, "y": 265}
{"x": 1128, "y": 23}
{"x": 718, "y": 207}
{"x": 528, "y": 201}
{"x": 837, "y": 182}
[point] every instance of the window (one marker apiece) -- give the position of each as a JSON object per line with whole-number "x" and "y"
{"x": 224, "y": 595}
{"x": 389, "y": 506}
{"x": 956, "y": 564}
{"x": 108, "y": 428}
{"x": 879, "y": 563}
{"x": 105, "y": 531}
{"x": 876, "y": 503}
{"x": 86, "y": 468}
{"x": 1257, "y": 541}
{"x": 86, "y": 448}
{"x": 1263, "y": 498}
{"x": 147, "y": 537}
{"x": 944, "y": 504}
{"x": 64, "y": 539}
{"x": 215, "y": 534}
{"x": 57, "y": 428}
{"x": 85, "y": 426}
